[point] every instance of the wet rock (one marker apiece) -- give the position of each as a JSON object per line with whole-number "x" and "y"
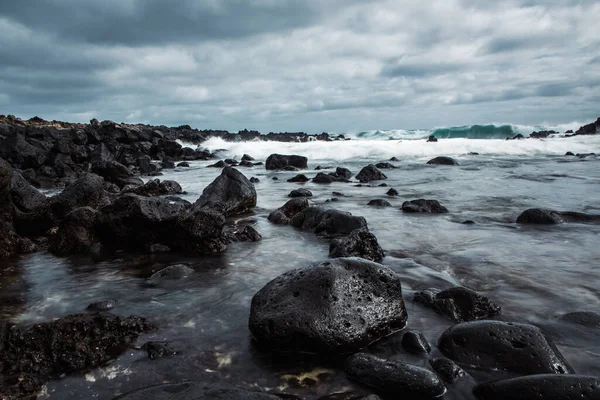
{"x": 73, "y": 344}
{"x": 468, "y": 222}
{"x": 518, "y": 136}
{"x": 248, "y": 234}
{"x": 16, "y": 150}
{"x": 300, "y": 193}
{"x": 246, "y": 164}
{"x": 394, "y": 159}
{"x": 254, "y": 180}
{"x": 370, "y": 173}
{"x": 542, "y": 134}
{"x": 218, "y": 164}
{"x": 275, "y": 178}
{"x": 394, "y": 377}
{"x": 104, "y": 305}
{"x": 547, "y": 387}
{"x": 299, "y": 178}
{"x": 392, "y": 192}
{"x": 549, "y": 217}
{"x": 327, "y": 222}
{"x": 360, "y": 243}
{"x": 383, "y": 185}
{"x": 338, "y": 306}
{"x": 76, "y": 233}
{"x": 458, "y": 303}
{"x": 340, "y": 175}
{"x": 116, "y": 173}
{"x": 323, "y": 178}
{"x": 25, "y": 197}
{"x": 134, "y": 223}
{"x": 442, "y": 160}
{"x": 279, "y": 161}
{"x": 379, "y": 203}
{"x": 246, "y": 157}
{"x": 197, "y": 391}
{"x": 432, "y": 138}
{"x": 282, "y": 215}
{"x": 156, "y": 187}
{"x": 350, "y": 396}
{"x": 385, "y": 165}
{"x": 447, "y": 369}
{"x": 146, "y": 166}
{"x": 231, "y": 161}
{"x": 569, "y": 153}
{"x": 416, "y": 343}
{"x": 172, "y": 272}
{"x": 586, "y": 318}
{"x": 183, "y": 164}
{"x": 158, "y": 350}
{"x": 424, "y": 206}
{"x": 512, "y": 347}
{"x": 232, "y": 190}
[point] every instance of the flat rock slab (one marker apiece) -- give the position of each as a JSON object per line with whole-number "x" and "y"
{"x": 338, "y": 306}
{"x": 546, "y": 387}
{"x": 506, "y": 346}
{"x": 394, "y": 377}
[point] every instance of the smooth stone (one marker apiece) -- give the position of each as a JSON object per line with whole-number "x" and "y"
{"x": 447, "y": 369}
{"x": 183, "y": 164}
{"x": 299, "y": 178}
{"x": 549, "y": 217}
{"x": 585, "y": 318}
{"x": 246, "y": 157}
{"x": 505, "y": 346}
{"x": 172, "y": 272}
{"x": 442, "y": 161}
{"x": 416, "y": 343}
{"x": 300, "y": 193}
{"x": 394, "y": 377}
{"x": 335, "y": 307}
{"x": 379, "y": 203}
{"x": 280, "y": 161}
{"x": 254, "y": 180}
{"x": 392, "y": 192}
{"x": 546, "y": 387}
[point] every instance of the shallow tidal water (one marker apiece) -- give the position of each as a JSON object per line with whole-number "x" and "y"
{"x": 535, "y": 273}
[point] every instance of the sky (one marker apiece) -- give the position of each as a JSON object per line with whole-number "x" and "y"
{"x": 302, "y": 65}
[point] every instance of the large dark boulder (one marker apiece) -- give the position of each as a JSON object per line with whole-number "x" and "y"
{"x": 395, "y": 378}
{"x": 458, "y": 303}
{"x": 323, "y": 178}
{"x": 424, "y": 206}
{"x": 279, "y": 161}
{"x": 338, "y": 306}
{"x": 76, "y": 233}
{"x": 299, "y": 178}
{"x": 385, "y": 165}
{"x": 25, "y": 197}
{"x": 282, "y": 215}
{"x": 342, "y": 174}
{"x": 442, "y": 160}
{"x": 232, "y": 191}
{"x": 360, "y": 243}
{"x": 379, "y": 203}
{"x": 115, "y": 172}
{"x": 549, "y": 217}
{"x": 546, "y": 387}
{"x": 327, "y": 222}
{"x": 73, "y": 344}
{"x": 370, "y": 173}
{"x": 505, "y": 346}
{"x": 198, "y": 391}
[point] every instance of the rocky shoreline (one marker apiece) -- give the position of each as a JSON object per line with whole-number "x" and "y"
{"x": 336, "y": 308}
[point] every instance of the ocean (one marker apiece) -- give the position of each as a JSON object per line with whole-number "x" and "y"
{"x": 536, "y": 273}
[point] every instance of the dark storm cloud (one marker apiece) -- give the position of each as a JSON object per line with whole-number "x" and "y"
{"x": 300, "y": 64}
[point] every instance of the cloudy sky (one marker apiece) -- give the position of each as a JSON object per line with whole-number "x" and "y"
{"x": 311, "y": 65}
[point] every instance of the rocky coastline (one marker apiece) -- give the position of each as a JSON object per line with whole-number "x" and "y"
{"x": 336, "y": 308}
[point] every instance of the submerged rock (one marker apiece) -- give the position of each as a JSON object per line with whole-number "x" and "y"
{"x": 588, "y": 319}
{"x": 424, "y": 206}
{"x": 73, "y": 344}
{"x": 158, "y": 350}
{"x": 447, "y": 369}
{"x": 231, "y": 190}
{"x": 218, "y": 164}
{"x": 360, "y": 243}
{"x": 279, "y": 161}
{"x": 300, "y": 193}
{"x": 458, "y": 303}
{"x": 385, "y": 165}
{"x": 392, "y": 192}
{"x": 442, "y": 160}
{"x": 546, "y": 387}
{"x": 394, "y": 377}
{"x": 327, "y": 222}
{"x": 512, "y": 347}
{"x": 323, "y": 178}
{"x": 197, "y": 391}
{"x": 248, "y": 234}
{"x": 104, "y": 305}
{"x": 379, "y": 203}
{"x": 548, "y": 217}
{"x": 338, "y": 306}
{"x": 172, "y": 272}
{"x": 283, "y": 214}
{"x": 370, "y": 173}
{"x": 299, "y": 178}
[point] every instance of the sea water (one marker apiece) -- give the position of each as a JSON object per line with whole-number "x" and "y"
{"x": 536, "y": 273}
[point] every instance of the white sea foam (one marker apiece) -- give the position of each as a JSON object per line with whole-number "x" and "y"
{"x": 381, "y": 150}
